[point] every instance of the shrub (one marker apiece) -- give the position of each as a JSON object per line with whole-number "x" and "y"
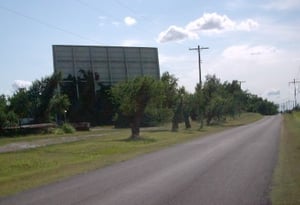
{"x": 67, "y": 128}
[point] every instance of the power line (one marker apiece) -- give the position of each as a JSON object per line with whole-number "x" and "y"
{"x": 298, "y": 74}
{"x": 295, "y": 89}
{"x": 126, "y": 7}
{"x": 36, "y": 20}
{"x": 134, "y": 12}
{"x": 96, "y": 10}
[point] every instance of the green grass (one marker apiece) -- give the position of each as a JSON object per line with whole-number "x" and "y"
{"x": 29, "y": 138}
{"x": 286, "y": 180}
{"x": 30, "y": 168}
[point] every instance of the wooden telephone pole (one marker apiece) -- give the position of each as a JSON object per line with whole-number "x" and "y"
{"x": 199, "y": 60}
{"x": 240, "y": 82}
{"x": 295, "y": 90}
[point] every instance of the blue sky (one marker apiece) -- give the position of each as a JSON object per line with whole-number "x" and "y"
{"x": 255, "y": 41}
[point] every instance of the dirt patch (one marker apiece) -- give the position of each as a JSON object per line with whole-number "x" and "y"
{"x": 12, "y": 147}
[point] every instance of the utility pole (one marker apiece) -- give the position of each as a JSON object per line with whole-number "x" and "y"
{"x": 240, "y": 82}
{"x": 199, "y": 60}
{"x": 295, "y": 90}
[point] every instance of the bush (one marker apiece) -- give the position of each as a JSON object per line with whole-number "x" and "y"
{"x": 57, "y": 131}
{"x": 67, "y": 128}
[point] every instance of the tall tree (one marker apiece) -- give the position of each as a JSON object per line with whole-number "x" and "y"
{"x": 172, "y": 100}
{"x": 3, "y": 111}
{"x": 132, "y": 98}
{"x": 260, "y": 105}
{"x": 104, "y": 104}
{"x": 40, "y": 94}
{"x": 212, "y": 98}
{"x": 20, "y": 103}
{"x": 8, "y": 118}
{"x": 197, "y": 106}
{"x": 59, "y": 104}
{"x": 186, "y": 107}
{"x": 235, "y": 98}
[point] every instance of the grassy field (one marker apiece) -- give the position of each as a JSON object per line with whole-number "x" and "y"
{"x": 29, "y": 138}
{"x": 286, "y": 181}
{"x": 30, "y": 168}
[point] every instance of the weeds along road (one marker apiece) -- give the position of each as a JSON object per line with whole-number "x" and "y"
{"x": 232, "y": 167}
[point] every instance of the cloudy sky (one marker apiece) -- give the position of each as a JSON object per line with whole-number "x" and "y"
{"x": 254, "y": 41}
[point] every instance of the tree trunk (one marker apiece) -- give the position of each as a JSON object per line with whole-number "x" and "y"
{"x": 135, "y": 131}
{"x": 135, "y": 126}
{"x": 176, "y": 117}
{"x": 201, "y": 121}
{"x": 187, "y": 120}
{"x": 175, "y": 125}
{"x": 208, "y": 120}
{"x": 175, "y": 121}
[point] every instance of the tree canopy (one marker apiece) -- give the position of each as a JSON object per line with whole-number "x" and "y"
{"x": 132, "y": 98}
{"x": 138, "y": 100}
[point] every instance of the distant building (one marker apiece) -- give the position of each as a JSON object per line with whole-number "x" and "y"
{"x": 109, "y": 64}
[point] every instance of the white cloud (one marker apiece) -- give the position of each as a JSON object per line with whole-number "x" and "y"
{"x": 283, "y": 4}
{"x": 247, "y": 25}
{"x": 211, "y": 22}
{"x": 208, "y": 23}
{"x": 129, "y": 21}
{"x": 104, "y": 20}
{"x": 174, "y": 33}
{"x": 272, "y": 92}
{"x": 21, "y": 84}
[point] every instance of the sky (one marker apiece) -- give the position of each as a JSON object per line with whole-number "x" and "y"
{"x": 255, "y": 41}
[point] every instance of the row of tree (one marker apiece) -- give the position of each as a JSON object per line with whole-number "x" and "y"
{"x": 211, "y": 103}
{"x": 39, "y": 104}
{"x": 136, "y": 102}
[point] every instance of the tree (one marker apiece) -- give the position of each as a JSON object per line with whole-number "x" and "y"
{"x": 59, "y": 104}
{"x": 20, "y": 103}
{"x": 172, "y": 100}
{"x": 3, "y": 111}
{"x": 87, "y": 99}
{"x": 186, "y": 100}
{"x": 90, "y": 101}
{"x": 235, "y": 98}
{"x": 213, "y": 98}
{"x": 132, "y": 98}
{"x": 40, "y": 94}
{"x": 104, "y": 104}
{"x": 11, "y": 119}
{"x": 7, "y": 118}
{"x": 197, "y": 105}
{"x": 260, "y": 105}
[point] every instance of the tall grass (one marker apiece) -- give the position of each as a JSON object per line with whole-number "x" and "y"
{"x": 286, "y": 180}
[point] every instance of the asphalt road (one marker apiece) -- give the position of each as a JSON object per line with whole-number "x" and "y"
{"x": 232, "y": 167}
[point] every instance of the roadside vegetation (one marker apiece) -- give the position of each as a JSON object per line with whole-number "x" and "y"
{"x": 25, "y": 169}
{"x": 138, "y": 102}
{"x": 286, "y": 180}
{"x": 176, "y": 115}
